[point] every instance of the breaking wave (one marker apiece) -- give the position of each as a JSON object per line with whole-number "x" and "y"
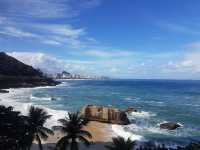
{"x": 10, "y": 99}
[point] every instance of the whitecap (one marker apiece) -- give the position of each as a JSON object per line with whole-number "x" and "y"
{"x": 40, "y": 98}
{"x": 141, "y": 114}
{"x": 9, "y": 99}
{"x": 119, "y": 131}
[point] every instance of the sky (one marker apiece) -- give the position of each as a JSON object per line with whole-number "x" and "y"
{"x": 142, "y": 39}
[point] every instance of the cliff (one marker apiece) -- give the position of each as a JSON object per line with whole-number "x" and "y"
{"x": 14, "y": 74}
{"x": 105, "y": 114}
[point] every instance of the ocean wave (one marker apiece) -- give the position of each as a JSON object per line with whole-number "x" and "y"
{"x": 154, "y": 103}
{"x": 9, "y": 99}
{"x": 119, "y": 130}
{"x": 141, "y": 114}
{"x": 131, "y": 99}
{"x": 42, "y": 98}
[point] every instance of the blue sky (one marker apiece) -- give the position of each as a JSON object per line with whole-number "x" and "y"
{"x": 122, "y": 39}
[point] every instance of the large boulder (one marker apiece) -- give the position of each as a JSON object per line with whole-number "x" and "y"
{"x": 105, "y": 114}
{"x": 169, "y": 125}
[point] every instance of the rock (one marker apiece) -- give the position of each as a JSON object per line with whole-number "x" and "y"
{"x": 53, "y": 99}
{"x": 3, "y": 91}
{"x": 130, "y": 110}
{"x": 169, "y": 125}
{"x": 105, "y": 114}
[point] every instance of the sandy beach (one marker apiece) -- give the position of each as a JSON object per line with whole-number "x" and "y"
{"x": 101, "y": 132}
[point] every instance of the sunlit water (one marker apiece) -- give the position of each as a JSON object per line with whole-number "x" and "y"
{"x": 156, "y": 100}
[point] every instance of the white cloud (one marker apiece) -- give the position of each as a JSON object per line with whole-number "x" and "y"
{"x": 12, "y": 31}
{"x": 109, "y": 53}
{"x": 187, "y": 67}
{"x": 45, "y": 8}
{"x": 22, "y": 18}
{"x": 180, "y": 28}
{"x": 51, "y": 64}
{"x": 193, "y": 46}
{"x": 64, "y": 30}
{"x": 51, "y": 42}
{"x": 47, "y": 34}
{"x": 39, "y": 60}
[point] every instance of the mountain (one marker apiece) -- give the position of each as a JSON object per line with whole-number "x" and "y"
{"x": 14, "y": 73}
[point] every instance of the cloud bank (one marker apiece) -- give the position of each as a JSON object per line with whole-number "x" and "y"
{"x": 185, "y": 68}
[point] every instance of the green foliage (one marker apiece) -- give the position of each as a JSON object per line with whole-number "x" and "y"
{"x": 17, "y": 132}
{"x": 119, "y": 143}
{"x": 12, "y": 129}
{"x": 72, "y": 128}
{"x": 36, "y": 119}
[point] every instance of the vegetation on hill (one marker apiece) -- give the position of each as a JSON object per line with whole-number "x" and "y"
{"x": 14, "y": 73}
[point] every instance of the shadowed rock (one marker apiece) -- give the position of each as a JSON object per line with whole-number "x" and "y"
{"x": 105, "y": 114}
{"x": 169, "y": 125}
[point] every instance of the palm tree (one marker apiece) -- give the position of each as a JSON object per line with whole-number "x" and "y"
{"x": 36, "y": 119}
{"x": 72, "y": 126}
{"x": 119, "y": 143}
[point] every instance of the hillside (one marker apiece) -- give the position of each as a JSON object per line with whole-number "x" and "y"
{"x": 14, "y": 73}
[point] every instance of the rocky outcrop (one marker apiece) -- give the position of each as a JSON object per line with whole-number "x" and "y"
{"x": 105, "y": 114}
{"x": 14, "y": 74}
{"x": 169, "y": 125}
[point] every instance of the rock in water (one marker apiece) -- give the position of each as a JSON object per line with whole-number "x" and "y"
{"x": 105, "y": 114}
{"x": 169, "y": 125}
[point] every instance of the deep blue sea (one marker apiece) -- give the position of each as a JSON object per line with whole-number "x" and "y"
{"x": 156, "y": 100}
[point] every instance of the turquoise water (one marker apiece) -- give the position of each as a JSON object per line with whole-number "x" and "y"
{"x": 156, "y": 100}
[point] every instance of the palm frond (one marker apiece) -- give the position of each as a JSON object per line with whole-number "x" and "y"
{"x": 47, "y": 130}
{"x": 63, "y": 143}
{"x": 43, "y": 135}
{"x": 85, "y": 133}
{"x": 119, "y": 143}
{"x": 84, "y": 140}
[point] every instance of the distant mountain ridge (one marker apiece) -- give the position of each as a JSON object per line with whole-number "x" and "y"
{"x": 14, "y": 73}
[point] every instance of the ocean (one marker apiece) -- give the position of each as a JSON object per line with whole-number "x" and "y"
{"x": 157, "y": 101}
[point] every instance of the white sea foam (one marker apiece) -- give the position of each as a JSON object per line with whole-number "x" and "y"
{"x": 131, "y": 99}
{"x": 128, "y": 98}
{"x": 119, "y": 130}
{"x": 141, "y": 114}
{"x": 40, "y": 98}
{"x": 9, "y": 99}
